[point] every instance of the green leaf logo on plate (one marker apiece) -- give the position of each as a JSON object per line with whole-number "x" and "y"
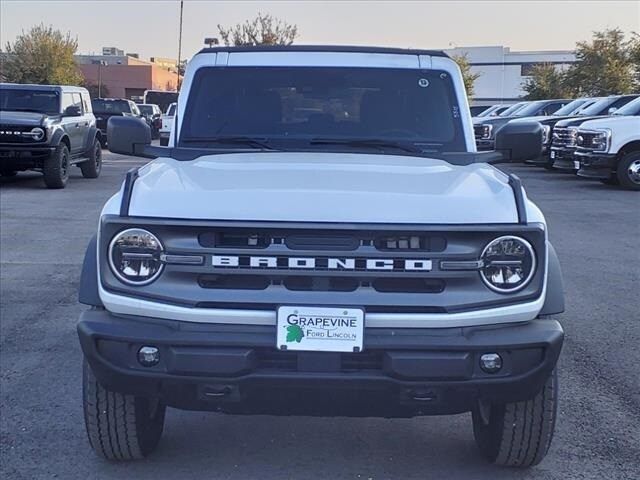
{"x": 294, "y": 333}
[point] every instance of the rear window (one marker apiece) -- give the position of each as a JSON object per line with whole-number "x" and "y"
{"x": 110, "y": 106}
{"x": 316, "y": 102}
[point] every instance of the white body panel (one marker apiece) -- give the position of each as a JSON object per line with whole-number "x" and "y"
{"x": 623, "y": 130}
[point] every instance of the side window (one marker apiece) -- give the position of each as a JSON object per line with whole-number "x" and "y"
{"x": 86, "y": 103}
{"x": 134, "y": 109}
{"x": 67, "y": 100}
{"x": 552, "y": 107}
{"x": 77, "y": 101}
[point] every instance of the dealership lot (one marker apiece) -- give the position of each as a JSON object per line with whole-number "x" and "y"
{"x": 594, "y": 228}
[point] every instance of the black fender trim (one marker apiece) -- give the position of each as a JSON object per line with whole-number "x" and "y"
{"x": 554, "y": 301}
{"x": 127, "y": 190}
{"x": 91, "y": 136}
{"x": 88, "y": 290}
{"x": 516, "y": 185}
{"x": 57, "y": 138}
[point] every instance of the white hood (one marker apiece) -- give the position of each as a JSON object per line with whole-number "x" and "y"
{"x": 323, "y": 187}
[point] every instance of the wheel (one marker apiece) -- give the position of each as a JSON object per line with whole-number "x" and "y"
{"x": 164, "y": 142}
{"x": 120, "y": 427}
{"x": 8, "y": 173}
{"x": 91, "y": 168}
{"x": 628, "y": 171}
{"x": 518, "y": 434}
{"x": 56, "y": 168}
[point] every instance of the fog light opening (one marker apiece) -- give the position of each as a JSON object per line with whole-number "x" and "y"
{"x": 490, "y": 362}
{"x": 148, "y": 356}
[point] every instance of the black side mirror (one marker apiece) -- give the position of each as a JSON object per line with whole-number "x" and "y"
{"x": 72, "y": 111}
{"x": 519, "y": 141}
{"x": 128, "y": 135}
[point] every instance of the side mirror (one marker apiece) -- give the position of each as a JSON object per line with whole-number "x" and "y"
{"x": 128, "y": 135}
{"x": 72, "y": 111}
{"x": 519, "y": 141}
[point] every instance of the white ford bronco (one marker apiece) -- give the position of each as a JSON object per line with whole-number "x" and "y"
{"x": 320, "y": 237}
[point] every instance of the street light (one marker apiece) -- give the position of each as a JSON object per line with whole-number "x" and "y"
{"x": 100, "y": 63}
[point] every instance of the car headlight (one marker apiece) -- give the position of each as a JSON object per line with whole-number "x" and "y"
{"x": 546, "y": 134}
{"x": 134, "y": 256}
{"x": 596, "y": 140}
{"x": 37, "y": 134}
{"x": 483, "y": 132}
{"x": 508, "y": 264}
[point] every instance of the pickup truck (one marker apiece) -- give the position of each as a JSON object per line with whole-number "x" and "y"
{"x": 105, "y": 108}
{"x": 608, "y": 149}
{"x": 322, "y": 238}
{"x": 167, "y": 124}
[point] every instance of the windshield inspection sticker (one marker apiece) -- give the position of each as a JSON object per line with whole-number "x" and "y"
{"x": 320, "y": 329}
{"x": 423, "y": 82}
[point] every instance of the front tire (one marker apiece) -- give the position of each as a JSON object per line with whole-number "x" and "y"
{"x": 120, "y": 427}
{"x": 628, "y": 171}
{"x": 519, "y": 434}
{"x": 56, "y": 168}
{"x": 93, "y": 165}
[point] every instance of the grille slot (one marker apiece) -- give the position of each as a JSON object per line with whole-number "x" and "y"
{"x": 322, "y": 242}
{"x": 563, "y": 137}
{"x": 408, "y": 285}
{"x": 322, "y": 284}
{"x": 271, "y": 359}
{"x": 234, "y": 282}
{"x": 234, "y": 240}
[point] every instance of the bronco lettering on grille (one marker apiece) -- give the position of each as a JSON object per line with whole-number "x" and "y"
{"x": 325, "y": 263}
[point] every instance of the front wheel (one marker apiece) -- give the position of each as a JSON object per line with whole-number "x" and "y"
{"x": 56, "y": 168}
{"x": 518, "y": 434}
{"x": 628, "y": 171}
{"x": 120, "y": 427}
{"x": 92, "y": 166}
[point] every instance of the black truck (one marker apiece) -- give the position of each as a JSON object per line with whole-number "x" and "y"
{"x": 105, "y": 108}
{"x": 48, "y": 128}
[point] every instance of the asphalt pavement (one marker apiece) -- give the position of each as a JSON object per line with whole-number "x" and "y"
{"x": 43, "y": 236}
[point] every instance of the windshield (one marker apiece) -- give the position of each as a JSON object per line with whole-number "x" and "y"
{"x": 313, "y": 104}
{"x": 171, "y": 111}
{"x": 110, "y": 106}
{"x": 631, "y": 108}
{"x": 571, "y": 107}
{"x": 146, "y": 109}
{"x": 489, "y": 111}
{"x": 531, "y": 108}
{"x": 512, "y": 109}
{"x": 599, "y": 107}
{"x": 40, "y": 101}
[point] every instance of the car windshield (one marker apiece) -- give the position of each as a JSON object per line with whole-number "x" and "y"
{"x": 110, "y": 106}
{"x": 631, "y": 108}
{"x": 599, "y": 107}
{"x": 19, "y": 100}
{"x": 324, "y": 106}
{"x": 171, "y": 111}
{"x": 531, "y": 108}
{"x": 489, "y": 111}
{"x": 512, "y": 109}
{"x": 146, "y": 109}
{"x": 571, "y": 107}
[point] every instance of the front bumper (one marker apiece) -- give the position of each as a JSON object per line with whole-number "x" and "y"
{"x": 564, "y": 159}
{"x": 485, "y": 145}
{"x": 23, "y": 156}
{"x": 596, "y": 165}
{"x": 401, "y": 372}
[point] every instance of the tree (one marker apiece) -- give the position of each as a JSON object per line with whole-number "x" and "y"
{"x": 262, "y": 30}
{"x": 605, "y": 66}
{"x": 545, "y": 82}
{"x": 94, "y": 90}
{"x": 468, "y": 76}
{"x": 635, "y": 57}
{"x": 44, "y": 56}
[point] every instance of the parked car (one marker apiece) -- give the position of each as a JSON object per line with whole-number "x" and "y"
{"x": 167, "y": 124}
{"x": 491, "y": 111}
{"x": 609, "y": 148}
{"x": 322, "y": 238}
{"x": 105, "y": 108}
{"x": 486, "y": 128}
{"x": 564, "y": 132}
{"x": 478, "y": 109}
{"x": 162, "y": 98}
{"x": 48, "y": 128}
{"x": 153, "y": 116}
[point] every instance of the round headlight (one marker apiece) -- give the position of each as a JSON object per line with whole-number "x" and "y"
{"x": 37, "y": 134}
{"x": 134, "y": 256}
{"x": 508, "y": 263}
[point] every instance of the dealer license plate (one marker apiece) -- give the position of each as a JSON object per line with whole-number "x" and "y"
{"x": 320, "y": 329}
{"x": 576, "y": 164}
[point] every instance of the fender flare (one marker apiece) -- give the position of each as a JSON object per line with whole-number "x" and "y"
{"x": 554, "y": 301}
{"x": 57, "y": 138}
{"x": 88, "y": 290}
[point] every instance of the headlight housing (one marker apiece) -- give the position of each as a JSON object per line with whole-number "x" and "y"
{"x": 483, "y": 132}
{"x": 134, "y": 256}
{"x": 508, "y": 264}
{"x": 596, "y": 140}
{"x": 546, "y": 134}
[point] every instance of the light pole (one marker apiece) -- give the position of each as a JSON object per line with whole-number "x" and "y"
{"x": 180, "y": 44}
{"x": 100, "y": 63}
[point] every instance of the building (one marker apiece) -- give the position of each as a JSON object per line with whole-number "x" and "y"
{"x": 125, "y": 76}
{"x": 502, "y": 71}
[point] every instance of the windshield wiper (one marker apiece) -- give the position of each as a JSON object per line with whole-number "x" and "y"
{"x": 233, "y": 140}
{"x": 365, "y": 142}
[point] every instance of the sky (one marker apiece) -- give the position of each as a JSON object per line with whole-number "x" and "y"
{"x": 150, "y": 27}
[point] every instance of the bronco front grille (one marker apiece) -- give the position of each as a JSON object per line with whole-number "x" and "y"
{"x": 19, "y": 134}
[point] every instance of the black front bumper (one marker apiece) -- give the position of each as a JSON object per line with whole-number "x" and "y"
{"x": 23, "y": 156}
{"x": 564, "y": 159}
{"x": 237, "y": 369}
{"x": 597, "y": 165}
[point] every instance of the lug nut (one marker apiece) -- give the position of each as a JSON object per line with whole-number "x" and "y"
{"x": 148, "y": 356}
{"x": 490, "y": 362}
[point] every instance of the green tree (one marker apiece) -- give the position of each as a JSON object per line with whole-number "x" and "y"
{"x": 635, "y": 57}
{"x": 44, "y": 56}
{"x": 545, "y": 82}
{"x": 605, "y": 65}
{"x": 468, "y": 76}
{"x": 262, "y": 30}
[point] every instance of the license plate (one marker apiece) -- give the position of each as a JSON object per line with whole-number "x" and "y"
{"x": 553, "y": 154}
{"x": 320, "y": 329}
{"x": 576, "y": 164}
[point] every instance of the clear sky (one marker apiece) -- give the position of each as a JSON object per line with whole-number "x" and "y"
{"x": 150, "y": 27}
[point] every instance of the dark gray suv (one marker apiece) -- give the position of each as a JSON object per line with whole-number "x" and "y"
{"x": 48, "y": 128}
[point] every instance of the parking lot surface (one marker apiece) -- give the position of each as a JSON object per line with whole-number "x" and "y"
{"x": 596, "y": 232}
